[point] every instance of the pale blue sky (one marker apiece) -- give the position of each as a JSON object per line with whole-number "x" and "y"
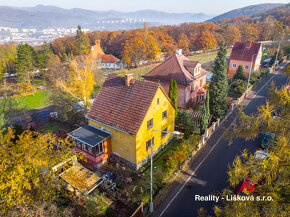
{"x": 206, "y": 6}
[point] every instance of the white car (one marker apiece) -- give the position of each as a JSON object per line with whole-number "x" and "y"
{"x": 261, "y": 154}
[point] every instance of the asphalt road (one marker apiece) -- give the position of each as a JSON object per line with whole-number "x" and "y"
{"x": 40, "y": 114}
{"x": 207, "y": 174}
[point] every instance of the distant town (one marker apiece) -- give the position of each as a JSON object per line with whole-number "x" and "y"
{"x": 34, "y": 36}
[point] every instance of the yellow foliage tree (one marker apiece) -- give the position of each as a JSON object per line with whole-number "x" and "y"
{"x": 26, "y": 166}
{"x": 152, "y": 48}
{"x": 79, "y": 81}
{"x": 134, "y": 51}
{"x": 206, "y": 41}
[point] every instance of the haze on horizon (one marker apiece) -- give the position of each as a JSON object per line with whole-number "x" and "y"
{"x": 213, "y": 7}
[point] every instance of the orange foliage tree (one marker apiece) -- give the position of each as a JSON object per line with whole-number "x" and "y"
{"x": 231, "y": 35}
{"x": 183, "y": 43}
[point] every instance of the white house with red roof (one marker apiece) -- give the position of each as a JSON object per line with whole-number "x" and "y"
{"x": 106, "y": 61}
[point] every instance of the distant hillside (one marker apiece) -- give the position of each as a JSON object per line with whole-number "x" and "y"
{"x": 247, "y": 11}
{"x": 280, "y": 13}
{"x": 42, "y": 16}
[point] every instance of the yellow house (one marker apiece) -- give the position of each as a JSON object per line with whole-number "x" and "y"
{"x": 128, "y": 110}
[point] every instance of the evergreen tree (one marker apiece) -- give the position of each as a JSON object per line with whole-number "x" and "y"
{"x": 81, "y": 41}
{"x": 207, "y": 103}
{"x": 219, "y": 84}
{"x": 204, "y": 119}
{"x": 25, "y": 61}
{"x": 42, "y": 55}
{"x": 205, "y": 114}
{"x": 239, "y": 74}
{"x": 173, "y": 92}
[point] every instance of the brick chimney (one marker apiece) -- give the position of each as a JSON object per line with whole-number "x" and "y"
{"x": 248, "y": 44}
{"x": 98, "y": 42}
{"x": 128, "y": 79}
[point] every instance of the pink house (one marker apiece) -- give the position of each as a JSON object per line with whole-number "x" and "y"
{"x": 189, "y": 75}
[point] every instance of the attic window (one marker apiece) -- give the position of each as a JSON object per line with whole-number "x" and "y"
{"x": 158, "y": 101}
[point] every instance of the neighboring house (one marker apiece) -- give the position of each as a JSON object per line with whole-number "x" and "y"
{"x": 121, "y": 120}
{"x": 106, "y": 61}
{"x": 243, "y": 53}
{"x": 189, "y": 75}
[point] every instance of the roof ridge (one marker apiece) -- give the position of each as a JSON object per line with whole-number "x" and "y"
{"x": 158, "y": 66}
{"x": 181, "y": 68}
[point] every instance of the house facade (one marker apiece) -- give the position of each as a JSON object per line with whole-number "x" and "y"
{"x": 105, "y": 61}
{"x": 189, "y": 75}
{"x": 125, "y": 112}
{"x": 245, "y": 54}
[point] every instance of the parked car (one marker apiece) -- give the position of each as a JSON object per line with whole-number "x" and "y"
{"x": 260, "y": 155}
{"x": 246, "y": 188}
{"x": 267, "y": 140}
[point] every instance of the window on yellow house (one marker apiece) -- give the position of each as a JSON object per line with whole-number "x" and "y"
{"x": 148, "y": 143}
{"x": 149, "y": 124}
{"x": 164, "y": 114}
{"x": 163, "y": 134}
{"x": 158, "y": 101}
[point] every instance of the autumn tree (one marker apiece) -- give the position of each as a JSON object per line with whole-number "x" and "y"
{"x": 152, "y": 48}
{"x": 231, "y": 35}
{"x": 79, "y": 80}
{"x": 270, "y": 174}
{"x": 278, "y": 30}
{"x": 134, "y": 51}
{"x": 249, "y": 32}
{"x": 7, "y": 59}
{"x": 206, "y": 41}
{"x": 219, "y": 83}
{"x": 26, "y": 169}
{"x": 183, "y": 43}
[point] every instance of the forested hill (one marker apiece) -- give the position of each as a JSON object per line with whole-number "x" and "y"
{"x": 247, "y": 11}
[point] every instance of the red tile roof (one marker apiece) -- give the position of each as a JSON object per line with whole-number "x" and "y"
{"x": 123, "y": 107}
{"x": 242, "y": 51}
{"x": 109, "y": 58}
{"x": 177, "y": 67}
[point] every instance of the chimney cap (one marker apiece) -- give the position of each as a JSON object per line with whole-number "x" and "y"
{"x": 179, "y": 51}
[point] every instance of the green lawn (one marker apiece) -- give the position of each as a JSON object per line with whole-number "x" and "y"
{"x": 137, "y": 72}
{"x": 53, "y": 126}
{"x": 39, "y": 99}
{"x": 206, "y": 56}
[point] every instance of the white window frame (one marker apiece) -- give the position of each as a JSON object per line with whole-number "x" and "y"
{"x": 234, "y": 65}
{"x": 247, "y": 67}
